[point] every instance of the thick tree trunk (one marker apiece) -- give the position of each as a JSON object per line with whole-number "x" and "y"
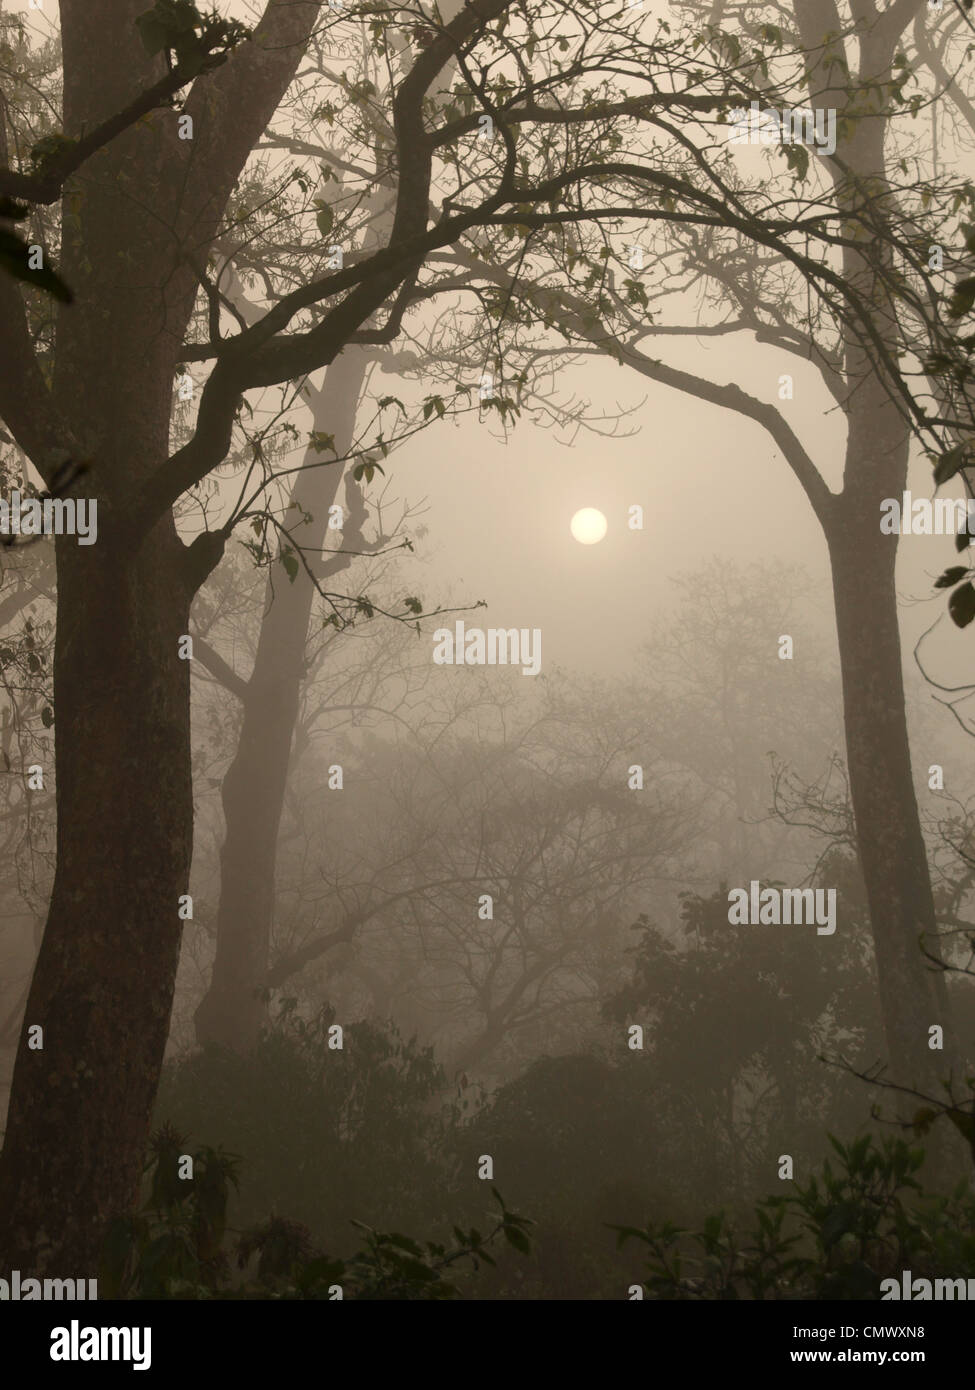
{"x": 233, "y": 1010}
{"x": 103, "y": 983}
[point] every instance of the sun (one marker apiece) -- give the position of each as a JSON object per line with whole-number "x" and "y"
{"x": 588, "y": 526}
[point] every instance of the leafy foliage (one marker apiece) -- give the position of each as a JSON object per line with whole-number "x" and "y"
{"x": 326, "y": 1133}
{"x": 734, "y": 1022}
{"x": 837, "y": 1237}
{"x": 951, "y": 360}
{"x": 193, "y": 35}
{"x": 176, "y": 1247}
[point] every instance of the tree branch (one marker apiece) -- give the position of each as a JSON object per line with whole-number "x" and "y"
{"x": 215, "y": 664}
{"x": 45, "y": 187}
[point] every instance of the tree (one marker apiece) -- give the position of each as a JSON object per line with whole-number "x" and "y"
{"x": 721, "y": 713}
{"x": 574, "y": 93}
{"x": 526, "y": 849}
{"x": 142, "y": 205}
{"x": 733, "y": 1025}
{"x": 871, "y": 298}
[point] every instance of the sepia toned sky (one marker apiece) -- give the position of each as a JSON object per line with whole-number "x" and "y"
{"x": 711, "y": 484}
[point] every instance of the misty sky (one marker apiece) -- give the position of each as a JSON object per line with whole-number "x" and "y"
{"x": 710, "y": 482}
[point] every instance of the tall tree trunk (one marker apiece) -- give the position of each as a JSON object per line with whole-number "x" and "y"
{"x": 233, "y": 1010}
{"x": 891, "y": 845}
{"x": 103, "y": 982}
{"x": 890, "y": 841}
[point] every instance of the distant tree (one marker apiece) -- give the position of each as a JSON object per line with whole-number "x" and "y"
{"x": 734, "y": 1022}
{"x": 719, "y": 710}
{"x": 486, "y": 866}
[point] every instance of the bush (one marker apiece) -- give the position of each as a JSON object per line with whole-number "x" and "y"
{"x": 837, "y": 1237}
{"x": 326, "y": 1133}
{"x": 177, "y": 1247}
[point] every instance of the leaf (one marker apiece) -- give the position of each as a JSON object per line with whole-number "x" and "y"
{"x": 963, "y": 299}
{"x": 320, "y": 441}
{"x": 625, "y": 1233}
{"x": 950, "y": 577}
{"x": 366, "y": 469}
{"x": 961, "y": 605}
{"x": 797, "y": 157}
{"x": 325, "y": 219}
{"x": 636, "y": 294}
{"x": 406, "y": 1243}
{"x": 47, "y": 716}
{"x": 415, "y": 1271}
{"x": 290, "y": 561}
{"x": 517, "y": 1238}
{"x": 838, "y": 1147}
{"x": 837, "y": 1223}
{"x": 923, "y": 1120}
{"x": 950, "y": 463}
{"x": 965, "y": 1124}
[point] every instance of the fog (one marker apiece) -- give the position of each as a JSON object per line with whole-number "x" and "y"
{"x": 400, "y": 897}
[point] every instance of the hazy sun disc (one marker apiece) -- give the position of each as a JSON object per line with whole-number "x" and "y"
{"x": 588, "y": 526}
